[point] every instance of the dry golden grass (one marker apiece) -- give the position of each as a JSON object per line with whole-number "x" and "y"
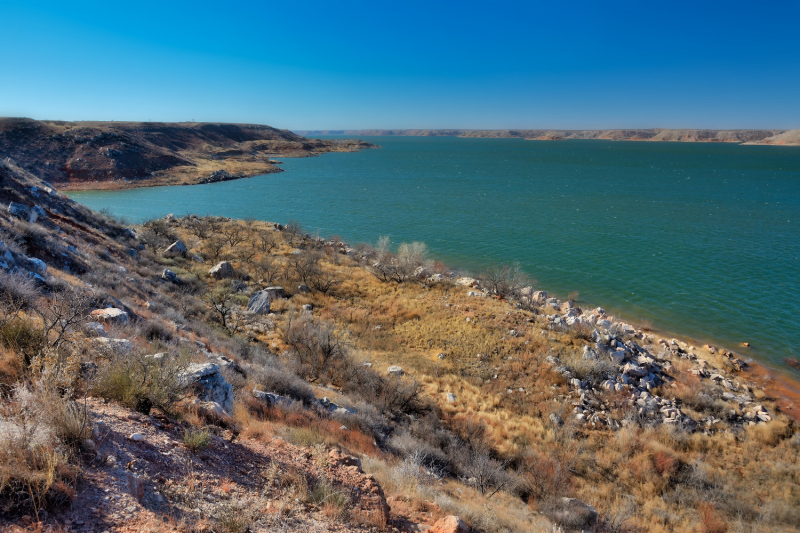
{"x": 647, "y": 479}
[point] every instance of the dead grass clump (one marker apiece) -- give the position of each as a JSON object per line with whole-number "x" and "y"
{"x": 235, "y": 518}
{"x": 770, "y": 433}
{"x": 34, "y": 472}
{"x": 24, "y": 338}
{"x": 334, "y": 501}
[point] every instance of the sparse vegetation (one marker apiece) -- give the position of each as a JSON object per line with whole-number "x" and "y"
{"x": 477, "y": 422}
{"x": 197, "y": 439}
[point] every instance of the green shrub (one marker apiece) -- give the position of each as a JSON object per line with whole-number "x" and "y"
{"x": 143, "y": 381}
{"x": 197, "y": 439}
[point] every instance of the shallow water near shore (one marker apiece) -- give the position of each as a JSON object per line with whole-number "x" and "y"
{"x": 701, "y": 239}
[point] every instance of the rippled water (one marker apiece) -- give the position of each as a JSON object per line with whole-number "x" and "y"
{"x": 700, "y": 239}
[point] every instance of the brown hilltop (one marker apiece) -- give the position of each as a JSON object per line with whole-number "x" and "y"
{"x": 87, "y": 155}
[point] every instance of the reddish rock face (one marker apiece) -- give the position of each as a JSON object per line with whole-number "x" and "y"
{"x": 449, "y": 524}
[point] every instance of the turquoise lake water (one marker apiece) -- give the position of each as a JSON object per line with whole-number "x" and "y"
{"x": 699, "y": 239}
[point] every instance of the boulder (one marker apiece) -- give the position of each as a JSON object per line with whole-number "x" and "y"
{"x": 37, "y": 266}
{"x": 277, "y": 292}
{"x": 135, "y": 486}
{"x": 221, "y": 270}
{"x": 539, "y": 296}
{"x": 634, "y": 370}
{"x": 113, "y": 345}
{"x": 572, "y": 513}
{"x": 259, "y": 303}
{"x": 451, "y": 398}
{"x": 618, "y": 356}
{"x": 209, "y": 383}
{"x": 449, "y": 524}
{"x": 303, "y": 288}
{"x": 110, "y": 315}
{"x": 468, "y": 282}
{"x": 21, "y": 211}
{"x": 308, "y": 307}
{"x": 212, "y": 409}
{"x": 169, "y": 275}
{"x": 176, "y": 249}
{"x": 395, "y": 370}
{"x": 271, "y": 398}
{"x": 37, "y": 213}
{"x": 94, "y": 329}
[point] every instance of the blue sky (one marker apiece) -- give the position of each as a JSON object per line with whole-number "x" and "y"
{"x": 323, "y": 65}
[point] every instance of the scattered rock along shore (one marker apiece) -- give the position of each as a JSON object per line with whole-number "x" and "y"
{"x": 123, "y": 155}
{"x": 771, "y": 137}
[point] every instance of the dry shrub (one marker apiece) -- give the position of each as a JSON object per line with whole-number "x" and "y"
{"x": 710, "y": 519}
{"x": 34, "y": 470}
{"x": 544, "y": 476}
{"x": 770, "y": 433}
{"x": 665, "y": 463}
{"x": 25, "y": 338}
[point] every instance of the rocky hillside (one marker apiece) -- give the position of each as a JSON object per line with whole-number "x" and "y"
{"x": 655, "y": 134}
{"x": 77, "y": 155}
{"x": 209, "y": 374}
{"x": 787, "y": 138}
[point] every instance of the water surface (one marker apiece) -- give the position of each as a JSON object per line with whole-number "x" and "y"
{"x": 700, "y": 239}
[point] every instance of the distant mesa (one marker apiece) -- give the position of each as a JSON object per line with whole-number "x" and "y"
{"x": 774, "y": 137}
{"x": 116, "y": 155}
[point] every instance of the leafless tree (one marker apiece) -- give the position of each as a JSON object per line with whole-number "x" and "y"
{"x": 214, "y": 246}
{"x": 323, "y": 280}
{"x": 219, "y": 300}
{"x": 317, "y": 344}
{"x": 235, "y": 233}
{"x": 199, "y": 227}
{"x": 266, "y": 240}
{"x": 487, "y": 475}
{"x": 506, "y": 280}
{"x": 304, "y": 265}
{"x": 267, "y": 269}
{"x": 66, "y": 307}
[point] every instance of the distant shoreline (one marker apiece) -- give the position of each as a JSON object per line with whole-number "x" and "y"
{"x": 771, "y": 137}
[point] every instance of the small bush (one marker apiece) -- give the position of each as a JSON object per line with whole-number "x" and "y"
{"x": 197, "y": 439}
{"x": 273, "y": 377}
{"x": 141, "y": 382}
{"x": 153, "y": 331}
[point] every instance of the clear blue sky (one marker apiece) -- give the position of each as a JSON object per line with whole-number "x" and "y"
{"x": 405, "y": 64}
